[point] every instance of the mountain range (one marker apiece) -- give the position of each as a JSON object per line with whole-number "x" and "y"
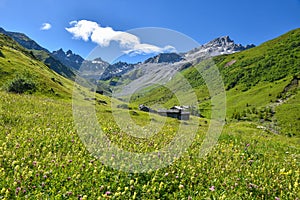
{"x": 218, "y": 46}
{"x": 68, "y": 63}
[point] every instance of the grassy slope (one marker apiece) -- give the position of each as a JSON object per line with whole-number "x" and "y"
{"x": 17, "y": 60}
{"x": 288, "y": 115}
{"x": 40, "y": 53}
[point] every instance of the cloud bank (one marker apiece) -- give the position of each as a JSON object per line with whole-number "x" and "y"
{"x": 103, "y": 36}
{"x": 45, "y": 26}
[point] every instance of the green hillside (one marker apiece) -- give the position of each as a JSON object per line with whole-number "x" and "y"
{"x": 271, "y": 61}
{"x": 17, "y": 62}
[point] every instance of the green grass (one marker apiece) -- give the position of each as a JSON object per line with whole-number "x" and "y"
{"x": 288, "y": 116}
{"x": 257, "y": 97}
{"x": 41, "y": 156}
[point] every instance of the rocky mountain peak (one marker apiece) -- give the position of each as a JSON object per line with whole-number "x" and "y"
{"x": 59, "y": 52}
{"x": 218, "y": 46}
{"x": 164, "y": 58}
{"x": 99, "y": 60}
{"x": 69, "y": 52}
{"x": 221, "y": 41}
{"x": 68, "y": 58}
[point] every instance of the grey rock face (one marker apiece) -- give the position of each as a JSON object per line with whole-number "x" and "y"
{"x": 68, "y": 58}
{"x": 218, "y": 46}
{"x": 165, "y": 58}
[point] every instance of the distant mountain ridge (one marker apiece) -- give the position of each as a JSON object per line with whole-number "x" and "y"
{"x": 176, "y": 61}
{"x": 164, "y": 57}
{"x": 218, "y": 46}
{"x": 23, "y": 40}
{"x": 68, "y": 58}
{"x": 116, "y": 69}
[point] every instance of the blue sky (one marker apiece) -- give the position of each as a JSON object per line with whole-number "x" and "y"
{"x": 244, "y": 21}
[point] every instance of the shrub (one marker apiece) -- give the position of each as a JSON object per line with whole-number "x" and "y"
{"x": 22, "y": 84}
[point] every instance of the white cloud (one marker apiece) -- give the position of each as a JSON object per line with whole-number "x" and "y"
{"x": 148, "y": 49}
{"x": 45, "y": 26}
{"x": 129, "y": 43}
{"x": 82, "y": 29}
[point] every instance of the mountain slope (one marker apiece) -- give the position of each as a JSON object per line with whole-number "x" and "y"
{"x": 16, "y": 61}
{"x": 41, "y": 53}
{"x": 272, "y": 61}
{"x": 23, "y": 40}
